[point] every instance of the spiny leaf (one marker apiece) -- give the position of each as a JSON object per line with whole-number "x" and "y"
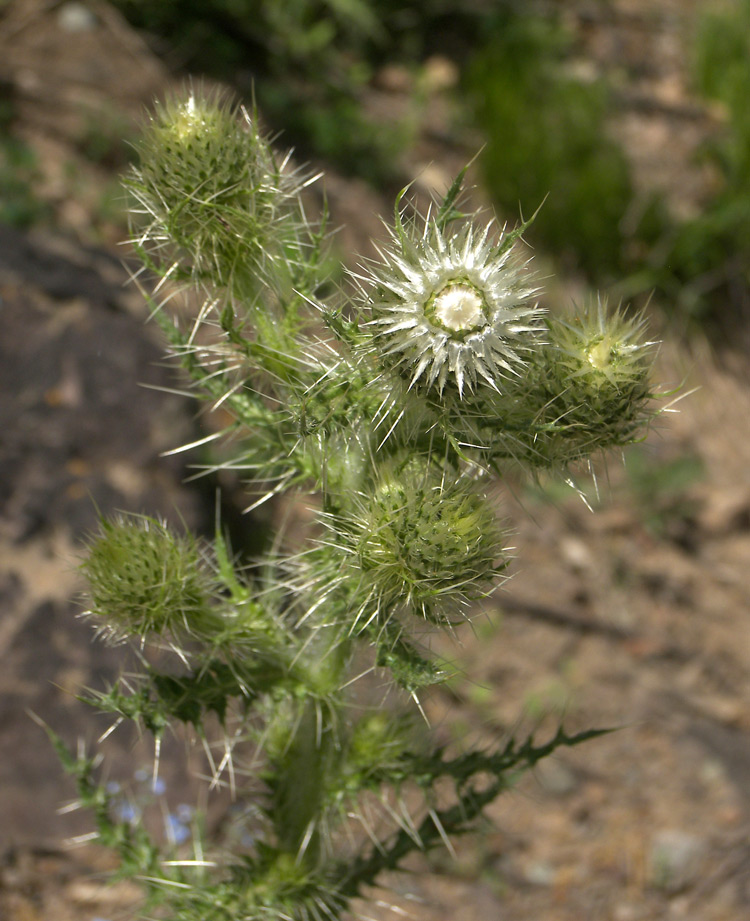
{"x": 447, "y": 211}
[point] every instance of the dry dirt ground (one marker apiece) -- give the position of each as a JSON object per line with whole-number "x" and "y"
{"x": 635, "y": 616}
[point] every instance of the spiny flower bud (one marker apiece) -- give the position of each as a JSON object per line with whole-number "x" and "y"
{"x": 599, "y": 345}
{"x": 602, "y": 366}
{"x": 589, "y": 388}
{"x": 210, "y": 190}
{"x": 425, "y": 542}
{"x": 143, "y": 579}
{"x": 451, "y": 308}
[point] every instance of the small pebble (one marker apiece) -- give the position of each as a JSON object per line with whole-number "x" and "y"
{"x": 674, "y": 859}
{"x": 540, "y": 873}
{"x": 555, "y": 778}
{"x": 76, "y": 17}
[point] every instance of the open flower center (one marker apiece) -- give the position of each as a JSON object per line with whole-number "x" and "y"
{"x": 459, "y": 308}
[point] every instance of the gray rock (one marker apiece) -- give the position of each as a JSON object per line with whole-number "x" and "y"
{"x": 674, "y": 859}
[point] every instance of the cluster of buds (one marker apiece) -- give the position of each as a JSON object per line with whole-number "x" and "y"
{"x": 440, "y": 369}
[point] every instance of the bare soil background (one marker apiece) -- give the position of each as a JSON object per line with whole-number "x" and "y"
{"x": 635, "y": 616}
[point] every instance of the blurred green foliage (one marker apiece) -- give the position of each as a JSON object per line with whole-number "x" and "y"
{"x": 105, "y": 138}
{"x": 19, "y": 205}
{"x": 308, "y": 62}
{"x": 660, "y": 490}
{"x": 702, "y": 265}
{"x": 547, "y": 139}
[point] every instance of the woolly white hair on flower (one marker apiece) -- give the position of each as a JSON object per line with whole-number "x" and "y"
{"x": 452, "y": 307}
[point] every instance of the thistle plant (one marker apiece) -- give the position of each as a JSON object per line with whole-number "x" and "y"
{"x": 395, "y": 402}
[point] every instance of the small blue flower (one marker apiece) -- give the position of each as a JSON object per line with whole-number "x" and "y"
{"x": 176, "y": 831}
{"x": 127, "y": 812}
{"x": 185, "y": 812}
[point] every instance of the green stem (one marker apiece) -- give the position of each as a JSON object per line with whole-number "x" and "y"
{"x": 312, "y": 755}
{"x": 299, "y": 789}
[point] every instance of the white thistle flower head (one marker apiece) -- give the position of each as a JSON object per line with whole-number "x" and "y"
{"x": 453, "y": 308}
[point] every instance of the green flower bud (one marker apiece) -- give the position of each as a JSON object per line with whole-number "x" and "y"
{"x": 599, "y": 368}
{"x": 143, "y": 580}
{"x": 211, "y": 193}
{"x": 587, "y": 390}
{"x": 603, "y": 353}
{"x": 425, "y": 542}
